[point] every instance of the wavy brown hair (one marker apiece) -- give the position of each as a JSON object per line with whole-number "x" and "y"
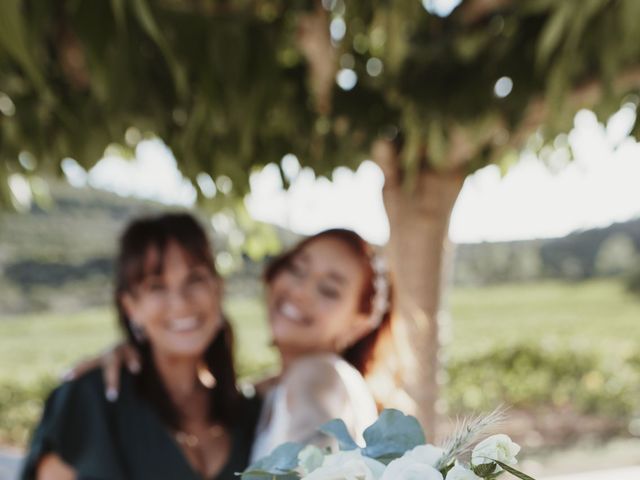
{"x": 155, "y": 234}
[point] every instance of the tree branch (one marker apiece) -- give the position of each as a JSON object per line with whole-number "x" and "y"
{"x": 314, "y": 41}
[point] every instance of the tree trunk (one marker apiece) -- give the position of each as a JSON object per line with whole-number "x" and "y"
{"x": 419, "y": 221}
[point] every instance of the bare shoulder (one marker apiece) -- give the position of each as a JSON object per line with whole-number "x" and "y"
{"x": 52, "y": 467}
{"x": 316, "y": 382}
{"x": 323, "y": 369}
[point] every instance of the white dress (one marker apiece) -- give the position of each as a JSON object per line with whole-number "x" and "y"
{"x": 314, "y": 390}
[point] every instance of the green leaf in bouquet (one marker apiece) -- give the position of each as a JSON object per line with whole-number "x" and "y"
{"x": 484, "y": 469}
{"x": 514, "y": 472}
{"x": 393, "y": 434}
{"x": 337, "y": 429}
{"x": 279, "y": 465}
{"x": 264, "y": 475}
{"x": 445, "y": 469}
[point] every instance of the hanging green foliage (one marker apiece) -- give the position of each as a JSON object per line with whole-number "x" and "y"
{"x": 225, "y": 85}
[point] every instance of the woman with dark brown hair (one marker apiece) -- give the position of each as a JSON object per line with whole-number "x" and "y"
{"x": 182, "y": 415}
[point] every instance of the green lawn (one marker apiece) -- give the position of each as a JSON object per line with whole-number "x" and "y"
{"x": 598, "y": 318}
{"x": 599, "y": 315}
{"x": 40, "y": 345}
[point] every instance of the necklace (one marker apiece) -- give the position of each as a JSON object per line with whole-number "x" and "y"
{"x": 191, "y": 440}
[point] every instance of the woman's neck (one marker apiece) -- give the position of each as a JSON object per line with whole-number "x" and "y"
{"x": 288, "y": 358}
{"x": 179, "y": 376}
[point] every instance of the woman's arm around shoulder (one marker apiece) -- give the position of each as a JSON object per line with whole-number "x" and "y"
{"x": 52, "y": 467}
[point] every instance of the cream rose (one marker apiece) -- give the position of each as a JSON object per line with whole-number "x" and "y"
{"x": 496, "y": 447}
{"x": 413, "y": 466}
{"x": 458, "y": 472}
{"x": 350, "y": 465}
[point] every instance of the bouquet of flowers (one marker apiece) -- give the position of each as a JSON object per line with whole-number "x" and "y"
{"x": 396, "y": 449}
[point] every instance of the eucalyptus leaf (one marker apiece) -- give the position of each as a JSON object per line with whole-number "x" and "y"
{"x": 337, "y": 429}
{"x": 393, "y": 434}
{"x": 279, "y": 464}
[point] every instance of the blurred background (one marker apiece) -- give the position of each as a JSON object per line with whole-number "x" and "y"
{"x": 504, "y": 134}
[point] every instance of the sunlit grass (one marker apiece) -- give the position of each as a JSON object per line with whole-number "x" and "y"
{"x": 33, "y": 346}
{"x": 597, "y": 314}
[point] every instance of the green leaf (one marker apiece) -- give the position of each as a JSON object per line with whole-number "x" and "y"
{"x": 149, "y": 24}
{"x": 393, "y": 434}
{"x": 513, "y": 471}
{"x": 337, "y": 429}
{"x": 13, "y": 39}
{"x": 484, "y": 469}
{"x": 118, "y": 7}
{"x": 553, "y": 32}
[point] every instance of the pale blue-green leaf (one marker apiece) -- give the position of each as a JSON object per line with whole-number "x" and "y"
{"x": 392, "y": 435}
{"x": 337, "y": 429}
{"x": 280, "y": 462}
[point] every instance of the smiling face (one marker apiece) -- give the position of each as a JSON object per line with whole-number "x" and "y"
{"x": 314, "y": 299}
{"x": 177, "y": 305}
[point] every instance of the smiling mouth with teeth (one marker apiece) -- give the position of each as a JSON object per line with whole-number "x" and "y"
{"x": 292, "y": 313}
{"x": 184, "y": 324}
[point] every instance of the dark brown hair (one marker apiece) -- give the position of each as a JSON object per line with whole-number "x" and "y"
{"x": 155, "y": 234}
{"x": 365, "y": 353}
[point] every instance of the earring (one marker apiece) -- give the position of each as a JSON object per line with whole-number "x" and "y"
{"x": 138, "y": 332}
{"x": 205, "y": 376}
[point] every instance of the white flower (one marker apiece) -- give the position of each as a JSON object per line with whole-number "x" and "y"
{"x": 427, "y": 454}
{"x": 496, "y": 447}
{"x": 458, "y": 472}
{"x": 349, "y": 465}
{"x": 416, "y": 464}
{"x": 309, "y": 459}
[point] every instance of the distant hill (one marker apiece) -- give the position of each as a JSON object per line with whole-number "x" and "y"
{"x": 60, "y": 257}
{"x": 612, "y": 250}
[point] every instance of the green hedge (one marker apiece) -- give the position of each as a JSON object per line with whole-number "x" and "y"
{"x": 532, "y": 376}
{"x": 20, "y": 408}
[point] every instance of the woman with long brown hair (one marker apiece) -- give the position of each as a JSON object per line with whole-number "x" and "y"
{"x": 182, "y": 415}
